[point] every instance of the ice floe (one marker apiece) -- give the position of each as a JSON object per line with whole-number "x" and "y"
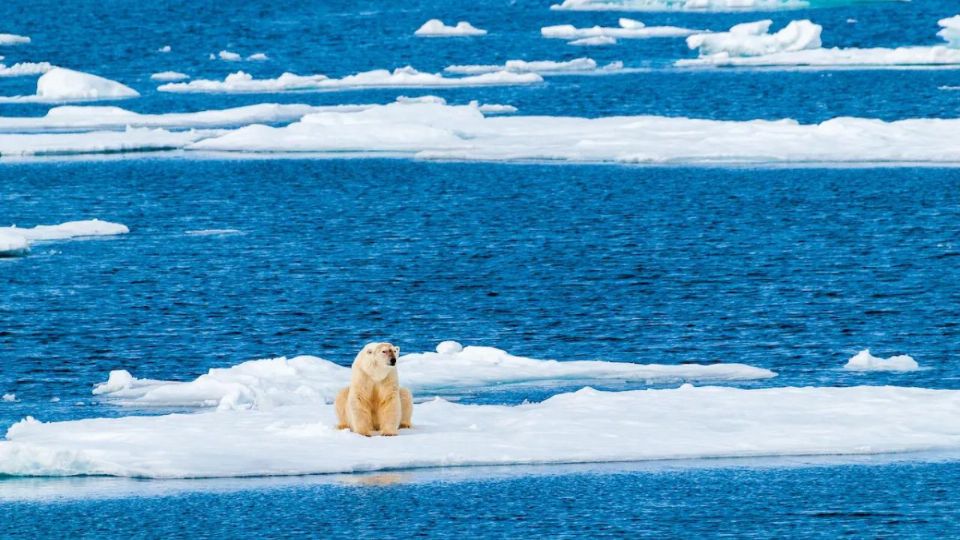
{"x": 864, "y": 361}
{"x": 17, "y": 240}
{"x": 697, "y": 5}
{"x": 799, "y": 44}
{"x": 241, "y": 82}
{"x": 169, "y": 76}
{"x": 541, "y": 67}
{"x": 164, "y": 49}
{"x": 427, "y": 130}
{"x": 594, "y": 41}
{"x": 587, "y": 426}
{"x": 229, "y": 56}
{"x": 258, "y": 57}
{"x": 628, "y": 29}
{"x": 23, "y": 69}
{"x": 61, "y": 84}
{"x": 13, "y": 39}
{"x": 97, "y": 142}
{"x": 436, "y": 28}
{"x": 9, "y": 398}
{"x": 265, "y": 384}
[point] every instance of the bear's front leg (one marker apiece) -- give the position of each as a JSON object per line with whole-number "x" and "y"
{"x": 340, "y": 404}
{"x": 389, "y": 415}
{"x": 361, "y": 418}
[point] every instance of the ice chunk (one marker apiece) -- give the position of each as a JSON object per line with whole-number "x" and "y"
{"x": 15, "y": 241}
{"x": 265, "y": 384}
{"x": 241, "y": 82}
{"x": 628, "y": 29}
{"x": 754, "y": 39}
{"x": 164, "y": 49}
{"x": 9, "y": 398}
{"x": 436, "y": 28}
{"x": 61, "y": 84}
{"x": 541, "y": 67}
{"x": 864, "y": 361}
{"x": 169, "y": 76}
{"x": 13, "y": 39}
{"x": 22, "y": 69}
{"x": 13, "y": 245}
{"x": 258, "y": 57}
{"x": 950, "y": 30}
{"x": 693, "y": 5}
{"x": 594, "y": 41}
{"x": 228, "y": 56}
{"x": 584, "y": 426}
{"x": 97, "y": 142}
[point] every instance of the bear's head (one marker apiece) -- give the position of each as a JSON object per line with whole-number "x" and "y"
{"x": 378, "y": 360}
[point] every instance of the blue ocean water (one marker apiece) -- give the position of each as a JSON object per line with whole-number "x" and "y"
{"x": 793, "y": 269}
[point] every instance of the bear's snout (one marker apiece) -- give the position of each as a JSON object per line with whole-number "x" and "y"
{"x": 393, "y": 359}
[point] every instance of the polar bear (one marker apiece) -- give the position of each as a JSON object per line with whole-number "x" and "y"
{"x": 374, "y": 401}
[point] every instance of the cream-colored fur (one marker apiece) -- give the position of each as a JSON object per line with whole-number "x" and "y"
{"x": 374, "y": 401}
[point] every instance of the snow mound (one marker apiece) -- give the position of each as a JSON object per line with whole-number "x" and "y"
{"x": 13, "y": 39}
{"x": 241, "y": 82}
{"x": 584, "y": 426}
{"x": 436, "y": 28}
{"x": 277, "y": 382}
{"x": 169, "y": 76}
{"x": 541, "y": 67}
{"x": 864, "y": 361}
{"x": 61, "y": 84}
{"x": 440, "y": 131}
{"x": 628, "y": 29}
{"x": 23, "y": 69}
{"x": 755, "y": 39}
{"x": 798, "y": 44}
{"x": 16, "y": 241}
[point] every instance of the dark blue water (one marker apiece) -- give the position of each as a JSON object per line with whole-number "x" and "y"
{"x": 793, "y": 269}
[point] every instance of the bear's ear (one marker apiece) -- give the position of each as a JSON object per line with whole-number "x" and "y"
{"x": 396, "y": 351}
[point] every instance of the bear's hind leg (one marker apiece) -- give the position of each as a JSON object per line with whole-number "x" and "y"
{"x": 340, "y": 404}
{"x": 406, "y": 408}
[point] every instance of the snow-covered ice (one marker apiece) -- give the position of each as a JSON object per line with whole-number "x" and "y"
{"x": 258, "y": 57}
{"x": 438, "y": 131}
{"x": 229, "y": 56}
{"x": 436, "y": 28}
{"x": 690, "y": 5}
{"x": 169, "y": 76}
{"x": 16, "y": 240}
{"x": 241, "y": 82}
{"x": 265, "y": 384}
{"x": 594, "y": 41}
{"x": 579, "y": 427}
{"x": 13, "y": 39}
{"x": 541, "y": 67}
{"x": 61, "y": 84}
{"x": 628, "y": 29}
{"x": 864, "y": 361}
{"x": 164, "y": 49}
{"x": 9, "y": 398}
{"x": 799, "y": 44}
{"x": 24, "y": 69}
{"x": 97, "y": 142}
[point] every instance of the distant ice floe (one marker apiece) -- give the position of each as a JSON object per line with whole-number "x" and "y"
{"x": 799, "y": 44}
{"x": 9, "y": 398}
{"x": 587, "y": 426}
{"x": 25, "y": 69}
{"x": 61, "y": 84}
{"x": 628, "y": 29}
{"x": 16, "y": 241}
{"x": 265, "y": 384}
{"x": 541, "y": 67}
{"x": 241, "y": 82}
{"x": 699, "y": 5}
{"x": 258, "y": 57}
{"x": 13, "y": 39}
{"x": 164, "y": 49}
{"x": 864, "y": 361}
{"x": 169, "y": 76}
{"x": 229, "y": 56}
{"x": 436, "y": 28}
{"x": 593, "y": 41}
{"x": 97, "y": 142}
{"x": 430, "y": 130}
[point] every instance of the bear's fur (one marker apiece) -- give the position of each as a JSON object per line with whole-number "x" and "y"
{"x": 374, "y": 401}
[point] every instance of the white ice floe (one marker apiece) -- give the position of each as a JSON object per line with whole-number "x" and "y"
{"x": 17, "y": 240}
{"x": 694, "y": 5}
{"x": 594, "y": 41}
{"x": 493, "y": 108}
{"x": 436, "y": 28}
{"x": 164, "y": 49}
{"x": 241, "y": 82}
{"x": 799, "y": 44}
{"x": 9, "y": 398}
{"x": 265, "y": 384}
{"x": 24, "y": 69}
{"x": 628, "y": 29}
{"x": 440, "y": 131}
{"x": 587, "y": 426}
{"x": 96, "y": 142}
{"x": 72, "y": 117}
{"x": 540, "y": 67}
{"x": 169, "y": 76}
{"x": 258, "y": 57}
{"x": 13, "y": 39}
{"x": 229, "y": 56}
{"x": 864, "y": 361}
{"x": 61, "y": 84}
